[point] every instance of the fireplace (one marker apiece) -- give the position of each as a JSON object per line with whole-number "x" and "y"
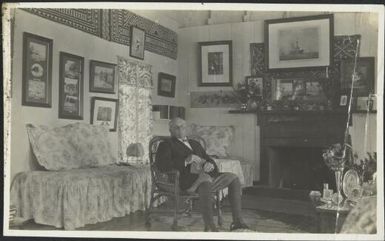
{"x": 298, "y": 168}
{"x": 291, "y": 147}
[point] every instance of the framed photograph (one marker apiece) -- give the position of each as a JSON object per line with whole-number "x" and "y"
{"x": 138, "y": 37}
{"x": 166, "y": 85}
{"x": 255, "y": 84}
{"x": 102, "y": 77}
{"x": 160, "y": 112}
{"x": 71, "y": 72}
{"x": 37, "y": 71}
{"x": 363, "y": 83}
{"x": 343, "y": 100}
{"x": 298, "y": 43}
{"x": 215, "y": 63}
{"x": 104, "y": 111}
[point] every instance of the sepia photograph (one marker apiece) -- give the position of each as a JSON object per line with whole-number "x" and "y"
{"x": 193, "y": 121}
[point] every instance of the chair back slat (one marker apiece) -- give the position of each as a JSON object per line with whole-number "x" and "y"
{"x": 157, "y": 176}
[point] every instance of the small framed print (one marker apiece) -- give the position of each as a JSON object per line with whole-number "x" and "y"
{"x": 102, "y": 77}
{"x": 71, "y": 72}
{"x": 166, "y": 85}
{"x": 104, "y": 111}
{"x": 37, "y": 71}
{"x": 363, "y": 77}
{"x": 215, "y": 63}
{"x": 138, "y": 37}
{"x": 254, "y": 85}
{"x": 343, "y": 100}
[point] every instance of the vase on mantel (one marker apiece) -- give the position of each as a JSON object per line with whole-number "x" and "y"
{"x": 252, "y": 104}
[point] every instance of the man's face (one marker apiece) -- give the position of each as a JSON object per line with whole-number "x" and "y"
{"x": 178, "y": 129}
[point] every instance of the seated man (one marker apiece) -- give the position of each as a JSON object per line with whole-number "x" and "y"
{"x": 186, "y": 156}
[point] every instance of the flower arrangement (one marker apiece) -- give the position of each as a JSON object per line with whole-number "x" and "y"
{"x": 334, "y": 156}
{"x": 249, "y": 95}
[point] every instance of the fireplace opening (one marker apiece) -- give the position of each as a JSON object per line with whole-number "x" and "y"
{"x": 299, "y": 168}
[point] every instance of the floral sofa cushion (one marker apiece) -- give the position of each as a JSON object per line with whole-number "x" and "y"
{"x": 217, "y": 138}
{"x": 76, "y": 145}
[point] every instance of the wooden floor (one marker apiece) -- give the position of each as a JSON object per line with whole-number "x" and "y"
{"x": 259, "y": 213}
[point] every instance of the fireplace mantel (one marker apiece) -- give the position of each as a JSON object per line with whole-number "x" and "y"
{"x": 296, "y": 129}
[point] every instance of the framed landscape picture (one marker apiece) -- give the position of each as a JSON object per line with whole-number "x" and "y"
{"x": 166, "y": 85}
{"x": 363, "y": 83}
{"x": 104, "y": 111}
{"x": 102, "y": 77}
{"x": 215, "y": 63}
{"x": 71, "y": 72}
{"x": 138, "y": 37}
{"x": 37, "y": 70}
{"x": 298, "y": 43}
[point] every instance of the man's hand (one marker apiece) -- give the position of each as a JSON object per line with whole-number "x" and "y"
{"x": 208, "y": 167}
{"x": 192, "y": 158}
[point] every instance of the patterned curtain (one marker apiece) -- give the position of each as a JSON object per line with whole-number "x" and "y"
{"x": 135, "y": 118}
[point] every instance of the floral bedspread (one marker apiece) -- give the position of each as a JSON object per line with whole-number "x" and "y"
{"x": 73, "y": 198}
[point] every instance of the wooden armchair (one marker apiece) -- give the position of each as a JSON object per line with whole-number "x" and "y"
{"x": 167, "y": 184}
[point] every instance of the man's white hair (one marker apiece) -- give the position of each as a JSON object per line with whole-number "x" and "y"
{"x": 173, "y": 122}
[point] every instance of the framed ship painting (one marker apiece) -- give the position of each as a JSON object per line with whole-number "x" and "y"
{"x": 299, "y": 43}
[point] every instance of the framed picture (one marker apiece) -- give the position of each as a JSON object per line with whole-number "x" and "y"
{"x": 102, "y": 77}
{"x": 298, "y": 89}
{"x": 215, "y": 63}
{"x": 255, "y": 85}
{"x": 343, "y": 100}
{"x": 104, "y": 111}
{"x": 166, "y": 85}
{"x": 160, "y": 112}
{"x": 298, "y": 43}
{"x": 37, "y": 70}
{"x": 363, "y": 83}
{"x": 71, "y": 72}
{"x": 138, "y": 37}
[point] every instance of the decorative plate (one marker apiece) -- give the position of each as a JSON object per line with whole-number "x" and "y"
{"x": 351, "y": 185}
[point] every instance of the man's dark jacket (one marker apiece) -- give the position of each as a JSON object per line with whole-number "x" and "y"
{"x": 171, "y": 154}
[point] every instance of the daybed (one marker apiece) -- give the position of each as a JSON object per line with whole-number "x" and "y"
{"x": 81, "y": 183}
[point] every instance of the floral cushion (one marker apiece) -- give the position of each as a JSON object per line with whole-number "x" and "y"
{"x": 72, "y": 146}
{"x": 217, "y": 138}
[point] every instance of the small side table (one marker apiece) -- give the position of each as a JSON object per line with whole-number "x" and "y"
{"x": 327, "y": 217}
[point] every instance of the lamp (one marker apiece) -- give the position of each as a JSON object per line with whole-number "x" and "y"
{"x": 135, "y": 151}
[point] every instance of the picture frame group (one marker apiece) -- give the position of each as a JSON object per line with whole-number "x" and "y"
{"x": 299, "y": 43}
{"x": 37, "y": 71}
{"x": 215, "y": 63}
